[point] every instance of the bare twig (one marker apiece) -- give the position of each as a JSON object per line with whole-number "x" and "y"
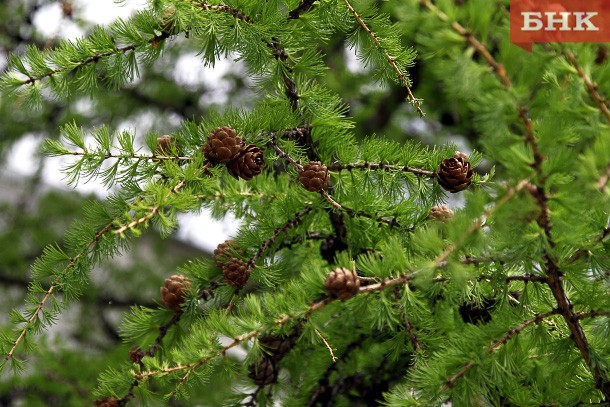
{"x": 330, "y": 349}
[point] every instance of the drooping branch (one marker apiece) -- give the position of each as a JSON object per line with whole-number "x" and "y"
{"x": 401, "y": 75}
{"x": 55, "y": 285}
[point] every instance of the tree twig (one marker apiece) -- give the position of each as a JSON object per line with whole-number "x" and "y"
{"x": 403, "y": 78}
{"x": 589, "y": 84}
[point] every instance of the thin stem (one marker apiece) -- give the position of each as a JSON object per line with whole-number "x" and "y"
{"x": 130, "y": 156}
{"x": 403, "y": 78}
{"x": 589, "y": 84}
{"x": 381, "y": 167}
{"x": 92, "y": 59}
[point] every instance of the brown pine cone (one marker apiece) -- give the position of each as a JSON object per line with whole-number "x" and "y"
{"x": 236, "y": 272}
{"x": 263, "y": 372}
{"x": 441, "y": 213}
{"x": 225, "y": 252}
{"x": 106, "y": 402}
{"x": 455, "y": 173}
{"x": 173, "y": 291}
{"x": 314, "y": 176}
{"x": 342, "y": 283}
{"x": 275, "y": 346}
{"x": 165, "y": 144}
{"x": 136, "y": 354}
{"x": 222, "y": 146}
{"x": 248, "y": 164}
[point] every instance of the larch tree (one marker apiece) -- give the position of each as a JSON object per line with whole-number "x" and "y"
{"x": 355, "y": 277}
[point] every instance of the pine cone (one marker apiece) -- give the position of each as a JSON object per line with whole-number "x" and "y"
{"x": 222, "y": 146}
{"x": 173, "y": 291}
{"x": 314, "y": 176}
{"x": 106, "y": 402}
{"x": 276, "y": 346}
{"x": 248, "y": 164}
{"x": 165, "y": 144}
{"x": 236, "y": 272}
{"x": 263, "y": 372}
{"x": 225, "y": 252}
{"x": 136, "y": 354}
{"x": 342, "y": 283}
{"x": 441, "y": 213}
{"x": 455, "y": 173}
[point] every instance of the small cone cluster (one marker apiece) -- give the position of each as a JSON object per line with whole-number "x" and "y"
{"x": 314, "y": 176}
{"x": 441, "y": 213}
{"x": 455, "y": 174}
{"x": 342, "y": 283}
{"x": 174, "y": 290}
{"x": 224, "y": 146}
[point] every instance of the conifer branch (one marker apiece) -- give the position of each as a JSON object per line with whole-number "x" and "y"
{"x": 237, "y": 14}
{"x": 93, "y": 59}
{"x": 401, "y": 75}
{"x": 473, "y": 41}
{"x": 512, "y": 191}
{"x": 163, "y": 330}
{"x": 554, "y": 282}
{"x": 449, "y": 383}
{"x": 381, "y": 167}
{"x": 289, "y": 224}
{"x": 139, "y": 157}
{"x": 152, "y": 212}
{"x": 53, "y": 287}
{"x": 236, "y": 341}
{"x": 590, "y": 85}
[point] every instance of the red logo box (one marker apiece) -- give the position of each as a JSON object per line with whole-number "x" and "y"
{"x": 558, "y": 21}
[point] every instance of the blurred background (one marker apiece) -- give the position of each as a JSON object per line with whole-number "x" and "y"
{"x": 37, "y": 206}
